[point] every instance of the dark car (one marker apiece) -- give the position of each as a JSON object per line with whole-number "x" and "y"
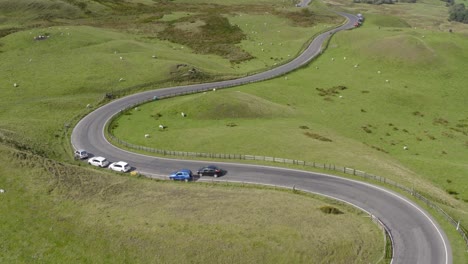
{"x": 210, "y": 171}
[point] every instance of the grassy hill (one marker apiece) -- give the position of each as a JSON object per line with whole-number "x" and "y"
{"x": 61, "y": 211}
{"x": 376, "y": 90}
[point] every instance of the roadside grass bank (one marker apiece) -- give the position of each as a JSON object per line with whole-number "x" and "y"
{"x": 80, "y": 214}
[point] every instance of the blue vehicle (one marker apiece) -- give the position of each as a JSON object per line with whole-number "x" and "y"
{"x": 181, "y": 175}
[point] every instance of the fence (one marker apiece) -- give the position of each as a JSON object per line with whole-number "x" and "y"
{"x": 460, "y": 229}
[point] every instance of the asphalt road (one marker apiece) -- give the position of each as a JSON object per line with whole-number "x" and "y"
{"x": 416, "y": 236}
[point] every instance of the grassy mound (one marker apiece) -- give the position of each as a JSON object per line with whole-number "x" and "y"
{"x": 231, "y": 105}
{"x": 405, "y": 48}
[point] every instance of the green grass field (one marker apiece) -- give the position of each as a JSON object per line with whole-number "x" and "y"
{"x": 60, "y": 213}
{"x": 420, "y": 106}
{"x": 68, "y": 213}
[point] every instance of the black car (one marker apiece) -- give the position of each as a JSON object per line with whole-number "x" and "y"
{"x": 210, "y": 171}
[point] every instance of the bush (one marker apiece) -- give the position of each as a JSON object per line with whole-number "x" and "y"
{"x": 330, "y": 210}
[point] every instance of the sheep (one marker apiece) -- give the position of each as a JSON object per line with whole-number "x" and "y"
{"x": 387, "y": 81}
{"x": 15, "y": 85}
{"x": 121, "y": 79}
{"x": 161, "y": 127}
{"x": 2, "y": 191}
{"x": 89, "y": 106}
{"x": 214, "y": 89}
{"x": 378, "y": 72}
{"x": 183, "y": 114}
{"x": 405, "y": 147}
{"x": 357, "y": 65}
{"x": 147, "y": 135}
{"x": 121, "y": 58}
{"x": 154, "y": 56}
{"x": 344, "y": 58}
{"x": 333, "y": 59}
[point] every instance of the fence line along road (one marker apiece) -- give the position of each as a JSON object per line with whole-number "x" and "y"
{"x": 327, "y": 166}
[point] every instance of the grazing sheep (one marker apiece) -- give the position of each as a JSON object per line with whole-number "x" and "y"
{"x": 344, "y": 58}
{"x": 161, "y": 127}
{"x": 378, "y": 72}
{"x": 333, "y": 59}
{"x": 183, "y": 114}
{"x": 405, "y": 147}
{"x": 15, "y": 85}
{"x": 121, "y": 58}
{"x": 154, "y": 56}
{"x": 2, "y": 191}
{"x": 387, "y": 81}
{"x": 88, "y": 106}
{"x": 214, "y": 89}
{"x": 121, "y": 79}
{"x": 357, "y": 65}
{"x": 147, "y": 135}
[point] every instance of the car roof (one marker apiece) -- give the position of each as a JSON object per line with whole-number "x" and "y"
{"x": 184, "y": 170}
{"x": 80, "y": 150}
{"x": 122, "y": 163}
{"x": 210, "y": 166}
{"x": 99, "y": 158}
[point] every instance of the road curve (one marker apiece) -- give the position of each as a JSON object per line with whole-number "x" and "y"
{"x": 416, "y": 236}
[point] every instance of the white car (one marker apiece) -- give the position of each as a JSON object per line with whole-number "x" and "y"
{"x": 98, "y": 161}
{"x": 120, "y": 166}
{"x": 81, "y": 154}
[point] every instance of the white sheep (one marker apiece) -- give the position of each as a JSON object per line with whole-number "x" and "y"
{"x": 15, "y": 85}
{"x": 121, "y": 58}
{"x": 147, "y": 135}
{"x": 405, "y": 147}
{"x": 121, "y": 79}
{"x": 378, "y": 72}
{"x": 183, "y": 114}
{"x": 88, "y": 106}
{"x": 333, "y": 59}
{"x": 2, "y": 191}
{"x": 214, "y": 89}
{"x": 387, "y": 81}
{"x": 161, "y": 127}
{"x": 344, "y": 58}
{"x": 357, "y": 65}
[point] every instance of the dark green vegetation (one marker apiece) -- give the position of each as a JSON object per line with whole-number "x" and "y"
{"x": 62, "y": 211}
{"x": 458, "y": 12}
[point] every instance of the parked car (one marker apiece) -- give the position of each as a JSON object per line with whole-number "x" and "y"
{"x": 120, "y": 166}
{"x": 210, "y": 171}
{"x": 98, "y": 161}
{"x": 181, "y": 175}
{"x": 81, "y": 154}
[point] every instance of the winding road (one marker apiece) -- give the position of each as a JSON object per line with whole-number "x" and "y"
{"x": 417, "y": 238}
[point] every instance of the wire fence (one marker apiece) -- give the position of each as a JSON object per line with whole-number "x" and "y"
{"x": 460, "y": 229}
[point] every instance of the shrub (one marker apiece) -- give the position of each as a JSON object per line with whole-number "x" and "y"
{"x": 330, "y": 210}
